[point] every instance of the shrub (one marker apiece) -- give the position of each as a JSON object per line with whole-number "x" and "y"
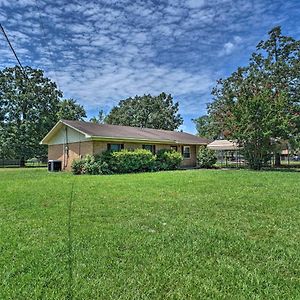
{"x": 206, "y": 158}
{"x": 90, "y": 165}
{"x": 104, "y": 156}
{"x": 125, "y": 161}
{"x": 77, "y": 166}
{"x": 168, "y": 159}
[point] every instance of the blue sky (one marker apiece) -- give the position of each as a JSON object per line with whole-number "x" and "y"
{"x": 100, "y": 52}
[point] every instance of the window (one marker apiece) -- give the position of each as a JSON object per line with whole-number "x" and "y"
{"x": 174, "y": 148}
{"x": 150, "y": 148}
{"x": 115, "y": 147}
{"x": 186, "y": 151}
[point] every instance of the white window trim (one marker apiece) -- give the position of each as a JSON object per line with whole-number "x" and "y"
{"x": 189, "y": 152}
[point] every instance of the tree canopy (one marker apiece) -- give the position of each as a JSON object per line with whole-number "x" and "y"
{"x": 70, "y": 110}
{"x": 259, "y": 105}
{"x": 159, "y": 112}
{"x": 99, "y": 119}
{"x": 204, "y": 128}
{"x": 30, "y": 105}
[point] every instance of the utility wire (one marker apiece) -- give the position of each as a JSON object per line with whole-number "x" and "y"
{"x": 13, "y": 50}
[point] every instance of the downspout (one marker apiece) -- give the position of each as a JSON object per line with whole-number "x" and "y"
{"x": 66, "y": 148}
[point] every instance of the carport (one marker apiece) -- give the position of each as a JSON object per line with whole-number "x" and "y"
{"x": 226, "y": 150}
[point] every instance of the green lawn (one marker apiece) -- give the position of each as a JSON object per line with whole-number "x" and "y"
{"x": 175, "y": 235}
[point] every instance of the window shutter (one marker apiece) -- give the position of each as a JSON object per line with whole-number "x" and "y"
{"x": 122, "y": 146}
{"x": 182, "y": 150}
{"x": 154, "y": 149}
{"x": 108, "y": 147}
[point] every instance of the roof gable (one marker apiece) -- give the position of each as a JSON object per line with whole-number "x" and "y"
{"x": 62, "y": 133}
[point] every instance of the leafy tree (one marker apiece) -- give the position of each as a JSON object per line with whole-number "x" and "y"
{"x": 99, "y": 119}
{"x": 205, "y": 127}
{"x": 147, "y": 111}
{"x": 206, "y": 158}
{"x": 70, "y": 110}
{"x": 28, "y": 110}
{"x": 258, "y": 105}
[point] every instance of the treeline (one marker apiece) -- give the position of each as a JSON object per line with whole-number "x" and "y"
{"x": 259, "y": 105}
{"x": 31, "y": 104}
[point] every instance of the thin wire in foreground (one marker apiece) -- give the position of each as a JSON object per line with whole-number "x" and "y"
{"x": 70, "y": 248}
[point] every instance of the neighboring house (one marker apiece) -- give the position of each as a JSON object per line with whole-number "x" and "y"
{"x": 69, "y": 140}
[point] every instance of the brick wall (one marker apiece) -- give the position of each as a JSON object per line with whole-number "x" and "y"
{"x": 80, "y": 149}
{"x": 99, "y": 147}
{"x": 192, "y": 161}
{"x": 161, "y": 146}
{"x": 76, "y": 150}
{"x": 132, "y": 146}
{"x": 55, "y": 152}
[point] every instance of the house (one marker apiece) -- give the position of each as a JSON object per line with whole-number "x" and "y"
{"x": 69, "y": 140}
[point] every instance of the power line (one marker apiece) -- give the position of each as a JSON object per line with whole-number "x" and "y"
{"x": 13, "y": 50}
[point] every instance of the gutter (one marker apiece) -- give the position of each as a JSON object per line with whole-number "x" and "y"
{"x": 135, "y": 140}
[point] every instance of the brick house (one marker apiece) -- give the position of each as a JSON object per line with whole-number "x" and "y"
{"x": 69, "y": 140}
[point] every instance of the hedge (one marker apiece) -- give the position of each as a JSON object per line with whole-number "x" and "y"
{"x": 126, "y": 161}
{"x": 168, "y": 159}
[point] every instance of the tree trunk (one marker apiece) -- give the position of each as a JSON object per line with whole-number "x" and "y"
{"x": 22, "y": 162}
{"x": 277, "y": 160}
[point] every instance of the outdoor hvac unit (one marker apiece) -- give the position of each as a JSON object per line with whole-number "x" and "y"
{"x": 54, "y": 165}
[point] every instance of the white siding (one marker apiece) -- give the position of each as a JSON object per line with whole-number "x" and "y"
{"x": 71, "y": 136}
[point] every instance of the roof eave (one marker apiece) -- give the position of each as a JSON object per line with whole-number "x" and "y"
{"x": 141, "y": 140}
{"x": 50, "y": 133}
{"x": 56, "y": 127}
{"x": 130, "y": 139}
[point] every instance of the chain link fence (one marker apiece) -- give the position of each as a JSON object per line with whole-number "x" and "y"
{"x": 16, "y": 163}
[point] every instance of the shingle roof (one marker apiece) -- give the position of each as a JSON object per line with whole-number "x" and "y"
{"x": 223, "y": 145}
{"x": 127, "y": 132}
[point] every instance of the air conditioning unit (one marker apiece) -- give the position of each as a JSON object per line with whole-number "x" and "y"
{"x": 54, "y": 165}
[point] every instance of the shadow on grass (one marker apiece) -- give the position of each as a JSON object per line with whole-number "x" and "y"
{"x": 268, "y": 169}
{"x": 284, "y": 169}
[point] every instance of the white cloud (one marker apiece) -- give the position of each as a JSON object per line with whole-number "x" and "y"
{"x": 104, "y": 51}
{"x": 231, "y": 46}
{"x": 105, "y": 86}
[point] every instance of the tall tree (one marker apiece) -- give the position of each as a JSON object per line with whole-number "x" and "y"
{"x": 259, "y": 104}
{"x": 205, "y": 127}
{"x": 28, "y": 110}
{"x": 68, "y": 109}
{"x": 99, "y": 119}
{"x": 158, "y": 112}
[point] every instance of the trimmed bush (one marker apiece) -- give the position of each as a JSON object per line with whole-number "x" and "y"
{"x": 168, "y": 159}
{"x": 125, "y": 161}
{"x": 89, "y": 165}
{"x": 77, "y": 166}
{"x": 104, "y": 156}
{"x": 206, "y": 158}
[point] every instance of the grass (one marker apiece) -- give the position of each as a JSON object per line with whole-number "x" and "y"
{"x": 196, "y": 234}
